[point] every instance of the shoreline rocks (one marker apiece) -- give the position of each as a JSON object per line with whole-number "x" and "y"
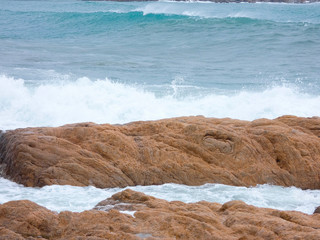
{"x": 134, "y": 215}
{"x": 186, "y": 150}
{"x": 317, "y": 210}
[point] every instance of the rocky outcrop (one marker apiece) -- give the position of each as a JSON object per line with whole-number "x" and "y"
{"x": 133, "y": 215}
{"x": 317, "y": 210}
{"x": 186, "y": 150}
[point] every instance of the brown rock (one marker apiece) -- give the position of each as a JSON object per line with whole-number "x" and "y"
{"x": 317, "y": 210}
{"x": 187, "y": 150}
{"x": 156, "y": 219}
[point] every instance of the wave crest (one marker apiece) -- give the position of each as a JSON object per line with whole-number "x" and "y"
{"x": 104, "y": 101}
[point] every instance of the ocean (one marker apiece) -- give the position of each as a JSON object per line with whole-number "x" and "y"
{"x": 70, "y": 198}
{"x": 68, "y": 61}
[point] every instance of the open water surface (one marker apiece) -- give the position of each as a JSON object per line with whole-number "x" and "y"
{"x": 71, "y": 61}
{"x": 67, "y": 61}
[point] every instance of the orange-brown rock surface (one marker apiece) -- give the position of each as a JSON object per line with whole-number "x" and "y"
{"x": 188, "y": 150}
{"x": 150, "y": 218}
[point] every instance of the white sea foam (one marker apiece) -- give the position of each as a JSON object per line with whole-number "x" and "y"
{"x": 278, "y": 12}
{"x": 128, "y": 212}
{"x": 271, "y": 12}
{"x": 104, "y": 101}
{"x": 77, "y": 199}
{"x": 56, "y": 198}
{"x": 174, "y": 8}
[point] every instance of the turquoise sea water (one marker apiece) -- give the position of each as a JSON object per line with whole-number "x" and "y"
{"x": 108, "y": 62}
{"x": 67, "y": 61}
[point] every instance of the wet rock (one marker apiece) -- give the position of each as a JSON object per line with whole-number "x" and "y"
{"x": 186, "y": 150}
{"x": 317, "y": 210}
{"x": 134, "y": 215}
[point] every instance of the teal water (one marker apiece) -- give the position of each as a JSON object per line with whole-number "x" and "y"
{"x": 67, "y": 61}
{"x": 70, "y": 61}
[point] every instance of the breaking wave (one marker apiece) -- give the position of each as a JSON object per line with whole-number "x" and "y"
{"x": 104, "y": 101}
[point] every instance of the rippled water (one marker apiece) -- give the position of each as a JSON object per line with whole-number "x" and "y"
{"x": 68, "y": 61}
{"x": 110, "y": 62}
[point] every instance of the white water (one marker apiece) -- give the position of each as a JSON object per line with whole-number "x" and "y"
{"x": 103, "y": 101}
{"x": 264, "y": 11}
{"x": 60, "y": 198}
{"x": 276, "y": 13}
